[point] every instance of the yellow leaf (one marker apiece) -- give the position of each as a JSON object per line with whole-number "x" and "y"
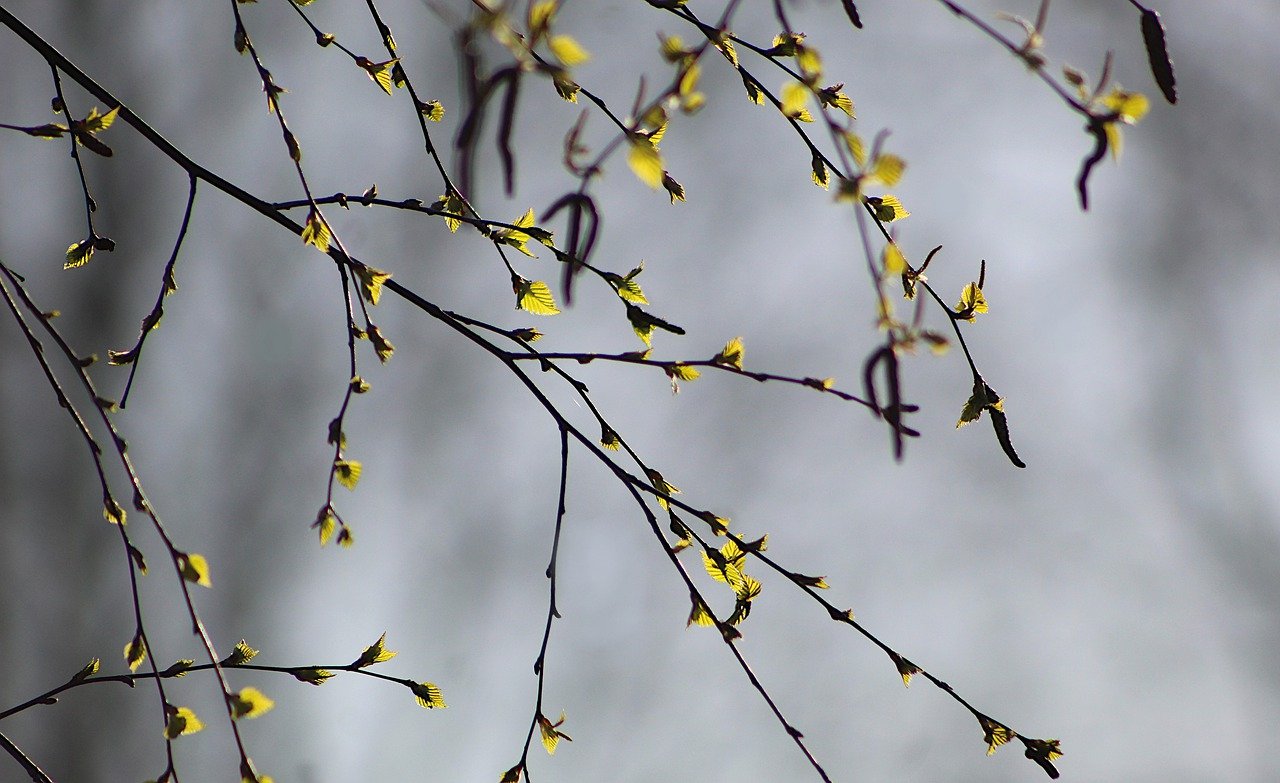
{"x": 113, "y": 513}
{"x": 326, "y": 524}
{"x": 135, "y": 651}
{"x": 1130, "y": 106}
{"x": 98, "y": 122}
{"x": 888, "y": 208}
{"x": 972, "y": 302}
{"x": 380, "y": 73}
{"x": 888, "y": 169}
{"x": 856, "y": 148}
{"x": 894, "y": 262}
{"x": 700, "y": 615}
{"x": 195, "y": 568}
{"x": 452, "y": 204}
{"x": 551, "y": 734}
{"x": 794, "y": 96}
{"x": 374, "y": 653}
{"x": 347, "y": 471}
{"x": 371, "y": 281}
{"x": 182, "y": 721}
{"x": 689, "y": 79}
{"x": 1115, "y": 140}
{"x": 428, "y": 695}
{"x": 610, "y": 440}
{"x": 683, "y": 372}
{"x": 79, "y": 254}
{"x": 432, "y": 110}
{"x": 994, "y": 734}
{"x": 646, "y": 162}
{"x": 540, "y": 14}
{"x": 731, "y": 354}
{"x": 313, "y": 676}
{"x": 250, "y": 703}
{"x": 381, "y": 345}
{"x": 568, "y": 51}
{"x": 316, "y": 232}
{"x": 242, "y": 653}
{"x": 534, "y": 296}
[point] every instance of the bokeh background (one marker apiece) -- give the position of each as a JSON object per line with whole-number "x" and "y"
{"x": 1121, "y": 593}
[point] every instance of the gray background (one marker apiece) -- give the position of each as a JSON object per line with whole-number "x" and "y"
{"x": 1120, "y": 593}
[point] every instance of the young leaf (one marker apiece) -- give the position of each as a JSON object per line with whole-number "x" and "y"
{"x": 972, "y": 302}
{"x": 242, "y": 653}
{"x": 646, "y": 162}
{"x": 195, "y": 568}
{"x": 380, "y": 73}
{"x": 135, "y": 651}
{"x": 182, "y": 721}
{"x": 428, "y": 695}
{"x": 551, "y": 734}
{"x": 534, "y": 296}
{"x": 313, "y": 676}
{"x": 316, "y": 232}
{"x": 90, "y": 669}
{"x": 371, "y": 281}
{"x": 381, "y": 345}
{"x": 374, "y": 653}
{"x": 731, "y": 354}
{"x": 79, "y": 254}
{"x": 249, "y": 703}
{"x": 347, "y": 471}
{"x": 568, "y": 51}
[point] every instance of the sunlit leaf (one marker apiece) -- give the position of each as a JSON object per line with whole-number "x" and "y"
{"x": 893, "y": 262}
{"x": 371, "y": 281}
{"x": 316, "y": 231}
{"x": 994, "y": 734}
{"x": 906, "y": 668}
{"x": 428, "y": 695}
{"x": 91, "y": 668}
{"x": 972, "y": 302}
{"x": 731, "y": 355}
{"x": 241, "y": 654}
{"x": 313, "y": 676}
{"x": 250, "y": 703}
{"x": 347, "y": 471}
{"x": 182, "y": 721}
{"x": 646, "y": 162}
{"x": 567, "y": 50}
{"x": 135, "y": 651}
{"x": 888, "y": 169}
{"x": 374, "y": 653}
{"x": 888, "y": 208}
{"x": 79, "y": 254}
{"x": 381, "y": 345}
{"x": 433, "y": 110}
{"x": 534, "y": 296}
{"x": 195, "y": 568}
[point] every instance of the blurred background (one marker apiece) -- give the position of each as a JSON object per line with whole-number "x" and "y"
{"x": 1121, "y": 593}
